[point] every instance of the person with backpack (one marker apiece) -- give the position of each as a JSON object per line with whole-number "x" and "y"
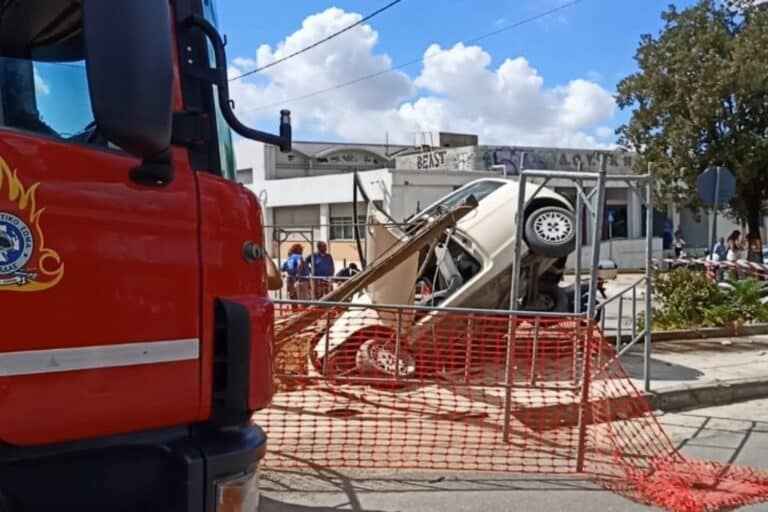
{"x": 297, "y": 273}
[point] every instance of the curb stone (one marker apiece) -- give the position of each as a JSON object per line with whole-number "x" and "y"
{"x": 703, "y": 333}
{"x": 707, "y": 394}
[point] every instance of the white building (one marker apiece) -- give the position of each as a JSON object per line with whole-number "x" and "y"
{"x": 308, "y": 193}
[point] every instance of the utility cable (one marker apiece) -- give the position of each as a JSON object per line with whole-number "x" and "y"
{"x": 317, "y": 43}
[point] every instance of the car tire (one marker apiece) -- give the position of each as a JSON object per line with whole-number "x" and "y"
{"x": 551, "y": 231}
{"x": 551, "y": 299}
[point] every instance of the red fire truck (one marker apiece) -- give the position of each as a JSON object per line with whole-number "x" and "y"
{"x": 135, "y": 328}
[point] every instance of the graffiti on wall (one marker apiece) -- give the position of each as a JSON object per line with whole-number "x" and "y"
{"x": 507, "y": 159}
{"x": 455, "y": 159}
{"x": 553, "y": 159}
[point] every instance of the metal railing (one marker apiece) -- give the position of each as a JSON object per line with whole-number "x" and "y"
{"x": 592, "y": 202}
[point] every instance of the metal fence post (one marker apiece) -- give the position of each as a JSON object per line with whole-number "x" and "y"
{"x": 513, "y": 304}
{"x": 648, "y": 283}
{"x": 621, "y": 319}
{"x": 535, "y": 349}
{"x": 579, "y": 243}
{"x": 327, "y": 342}
{"x": 468, "y": 351}
{"x": 312, "y": 263}
{"x": 398, "y": 342}
{"x": 588, "y": 342}
{"x": 634, "y": 312}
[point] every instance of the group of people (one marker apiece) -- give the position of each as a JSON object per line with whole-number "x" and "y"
{"x": 726, "y": 249}
{"x": 312, "y": 277}
{"x": 729, "y": 249}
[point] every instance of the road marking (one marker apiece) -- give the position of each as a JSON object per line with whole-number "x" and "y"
{"x": 105, "y": 356}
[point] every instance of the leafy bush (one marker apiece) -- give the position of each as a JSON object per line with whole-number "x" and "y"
{"x": 745, "y": 297}
{"x": 721, "y": 315}
{"x": 689, "y": 299}
{"x": 683, "y": 296}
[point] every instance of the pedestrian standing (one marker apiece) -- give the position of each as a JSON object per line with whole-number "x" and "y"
{"x": 735, "y": 250}
{"x": 679, "y": 243}
{"x": 297, "y": 273}
{"x": 735, "y": 246}
{"x": 321, "y": 268}
{"x": 719, "y": 251}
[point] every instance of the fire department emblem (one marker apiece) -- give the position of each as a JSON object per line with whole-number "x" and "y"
{"x": 25, "y": 263}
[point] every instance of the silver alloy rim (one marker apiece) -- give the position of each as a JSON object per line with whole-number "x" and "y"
{"x": 553, "y": 226}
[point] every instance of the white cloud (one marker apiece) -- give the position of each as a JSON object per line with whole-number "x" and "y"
{"x": 41, "y": 86}
{"x": 456, "y": 90}
{"x": 604, "y": 132}
{"x": 595, "y": 76}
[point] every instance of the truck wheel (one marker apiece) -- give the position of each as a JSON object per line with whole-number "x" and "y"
{"x": 551, "y": 298}
{"x": 550, "y": 231}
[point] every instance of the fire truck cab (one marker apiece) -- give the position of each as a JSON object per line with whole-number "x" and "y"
{"x": 135, "y": 328}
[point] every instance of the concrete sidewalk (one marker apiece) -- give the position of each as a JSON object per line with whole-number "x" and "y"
{"x": 701, "y": 373}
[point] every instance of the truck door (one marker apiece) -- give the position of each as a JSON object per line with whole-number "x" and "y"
{"x": 99, "y": 275}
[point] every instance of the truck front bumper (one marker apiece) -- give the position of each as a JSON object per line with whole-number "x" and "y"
{"x": 183, "y": 469}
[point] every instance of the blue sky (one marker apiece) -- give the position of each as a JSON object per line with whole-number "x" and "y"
{"x": 594, "y": 36}
{"x": 594, "y": 40}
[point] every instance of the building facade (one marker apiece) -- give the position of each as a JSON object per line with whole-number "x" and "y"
{"x": 308, "y": 193}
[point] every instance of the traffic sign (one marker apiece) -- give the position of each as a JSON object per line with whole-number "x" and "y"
{"x": 716, "y": 186}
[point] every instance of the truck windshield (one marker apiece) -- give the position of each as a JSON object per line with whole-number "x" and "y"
{"x": 49, "y": 98}
{"x": 224, "y": 134}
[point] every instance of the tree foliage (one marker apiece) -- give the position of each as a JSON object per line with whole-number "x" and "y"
{"x": 700, "y": 98}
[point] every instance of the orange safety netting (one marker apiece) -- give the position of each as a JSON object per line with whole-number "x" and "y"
{"x": 390, "y": 389}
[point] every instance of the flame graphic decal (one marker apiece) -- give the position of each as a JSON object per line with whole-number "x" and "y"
{"x": 45, "y": 268}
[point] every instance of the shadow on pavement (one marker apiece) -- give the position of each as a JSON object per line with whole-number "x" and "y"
{"x": 267, "y": 504}
{"x": 325, "y": 490}
{"x": 661, "y": 370}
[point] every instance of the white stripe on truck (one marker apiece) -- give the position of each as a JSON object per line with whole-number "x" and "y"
{"x": 106, "y": 356}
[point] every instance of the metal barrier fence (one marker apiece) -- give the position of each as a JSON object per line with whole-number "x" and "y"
{"x": 395, "y": 387}
{"x": 715, "y": 268}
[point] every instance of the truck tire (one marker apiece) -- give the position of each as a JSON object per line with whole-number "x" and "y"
{"x": 551, "y": 298}
{"x": 551, "y": 231}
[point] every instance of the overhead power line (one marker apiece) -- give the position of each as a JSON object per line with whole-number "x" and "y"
{"x": 479, "y": 38}
{"x": 317, "y": 43}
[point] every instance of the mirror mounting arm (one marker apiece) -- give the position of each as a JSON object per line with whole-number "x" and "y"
{"x": 218, "y": 76}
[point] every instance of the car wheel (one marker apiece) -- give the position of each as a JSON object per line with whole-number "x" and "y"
{"x": 550, "y": 231}
{"x": 378, "y": 358}
{"x": 342, "y": 361}
{"x": 551, "y": 298}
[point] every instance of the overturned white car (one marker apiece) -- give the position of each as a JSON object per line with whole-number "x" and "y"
{"x": 469, "y": 265}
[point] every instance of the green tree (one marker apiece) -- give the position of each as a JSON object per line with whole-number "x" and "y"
{"x": 700, "y": 98}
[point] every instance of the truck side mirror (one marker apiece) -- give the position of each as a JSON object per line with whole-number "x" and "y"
{"x": 129, "y": 62}
{"x": 217, "y": 75}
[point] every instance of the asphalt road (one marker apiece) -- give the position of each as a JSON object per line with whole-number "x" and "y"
{"x": 734, "y": 433}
